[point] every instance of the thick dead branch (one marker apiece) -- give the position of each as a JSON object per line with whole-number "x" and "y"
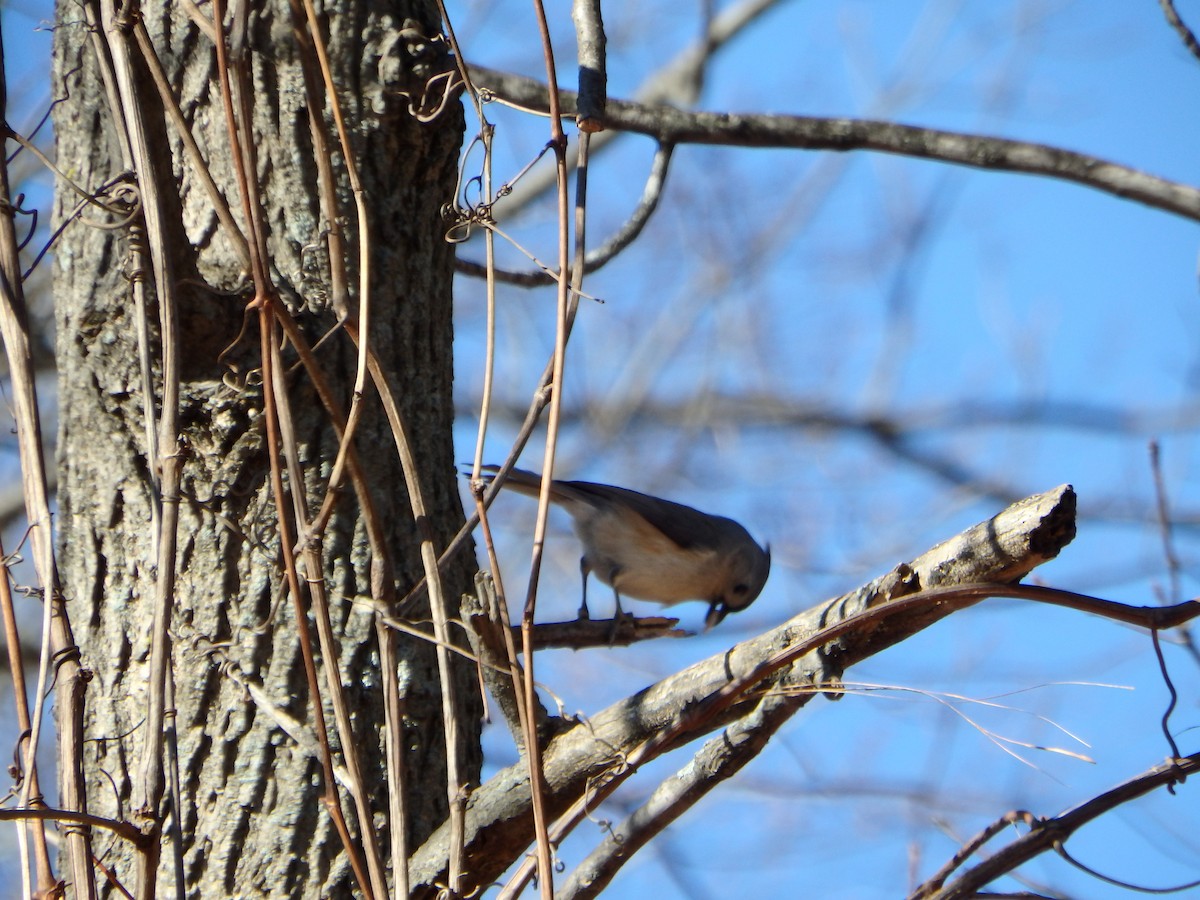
{"x": 674, "y": 126}
{"x": 1002, "y": 549}
{"x": 721, "y": 757}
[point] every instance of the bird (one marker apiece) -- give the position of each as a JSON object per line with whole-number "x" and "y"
{"x": 653, "y": 549}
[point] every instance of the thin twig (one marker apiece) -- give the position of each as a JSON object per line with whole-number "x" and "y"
{"x": 408, "y": 464}
{"x": 596, "y": 259}
{"x": 367, "y": 830}
{"x": 382, "y": 592}
{"x": 580, "y": 634}
{"x": 1166, "y": 532}
{"x": 1185, "y": 33}
{"x": 515, "y": 688}
{"x": 315, "y": 91}
{"x": 1173, "y": 695}
{"x": 363, "y": 314}
{"x": 558, "y": 141}
{"x": 125, "y": 830}
{"x": 164, "y": 456}
{"x": 972, "y": 846}
{"x": 16, "y": 667}
{"x": 310, "y": 550}
{"x": 199, "y": 166}
{"x": 1162, "y": 509}
{"x": 332, "y": 798}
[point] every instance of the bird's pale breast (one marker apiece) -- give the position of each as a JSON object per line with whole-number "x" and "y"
{"x": 652, "y": 566}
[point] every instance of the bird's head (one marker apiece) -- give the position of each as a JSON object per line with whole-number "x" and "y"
{"x": 747, "y": 573}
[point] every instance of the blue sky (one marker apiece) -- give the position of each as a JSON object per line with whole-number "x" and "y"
{"x": 795, "y": 274}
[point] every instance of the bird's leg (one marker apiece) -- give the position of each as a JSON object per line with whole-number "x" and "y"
{"x": 620, "y": 616}
{"x": 585, "y": 569}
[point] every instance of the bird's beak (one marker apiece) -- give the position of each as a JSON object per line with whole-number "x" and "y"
{"x": 716, "y": 612}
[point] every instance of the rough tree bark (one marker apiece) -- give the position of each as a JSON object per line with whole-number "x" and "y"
{"x": 251, "y": 819}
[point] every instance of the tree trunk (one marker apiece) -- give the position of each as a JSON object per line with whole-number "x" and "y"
{"x": 251, "y": 821}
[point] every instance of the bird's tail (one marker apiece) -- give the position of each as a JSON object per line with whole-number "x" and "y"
{"x": 520, "y": 480}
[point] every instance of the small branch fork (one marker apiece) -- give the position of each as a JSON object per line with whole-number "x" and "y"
{"x": 1046, "y": 834}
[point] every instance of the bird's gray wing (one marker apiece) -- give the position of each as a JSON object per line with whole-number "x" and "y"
{"x": 687, "y": 527}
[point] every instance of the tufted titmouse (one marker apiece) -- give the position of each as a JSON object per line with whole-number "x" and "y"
{"x": 654, "y": 549}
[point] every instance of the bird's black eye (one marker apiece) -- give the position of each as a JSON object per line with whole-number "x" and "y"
{"x": 740, "y": 589}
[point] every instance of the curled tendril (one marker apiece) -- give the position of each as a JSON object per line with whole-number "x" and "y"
{"x": 424, "y": 109}
{"x": 463, "y": 220}
{"x": 120, "y": 199}
{"x": 16, "y": 208}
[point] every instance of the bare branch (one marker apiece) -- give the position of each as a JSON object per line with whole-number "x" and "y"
{"x": 720, "y": 758}
{"x": 593, "y": 71}
{"x": 670, "y": 125}
{"x": 906, "y": 433}
{"x": 1045, "y": 834}
{"x": 125, "y": 830}
{"x": 1185, "y": 33}
{"x": 583, "y": 633}
{"x": 723, "y": 756}
{"x": 1002, "y": 549}
{"x": 758, "y": 409}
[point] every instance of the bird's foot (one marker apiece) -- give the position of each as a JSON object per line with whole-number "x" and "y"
{"x": 620, "y": 619}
